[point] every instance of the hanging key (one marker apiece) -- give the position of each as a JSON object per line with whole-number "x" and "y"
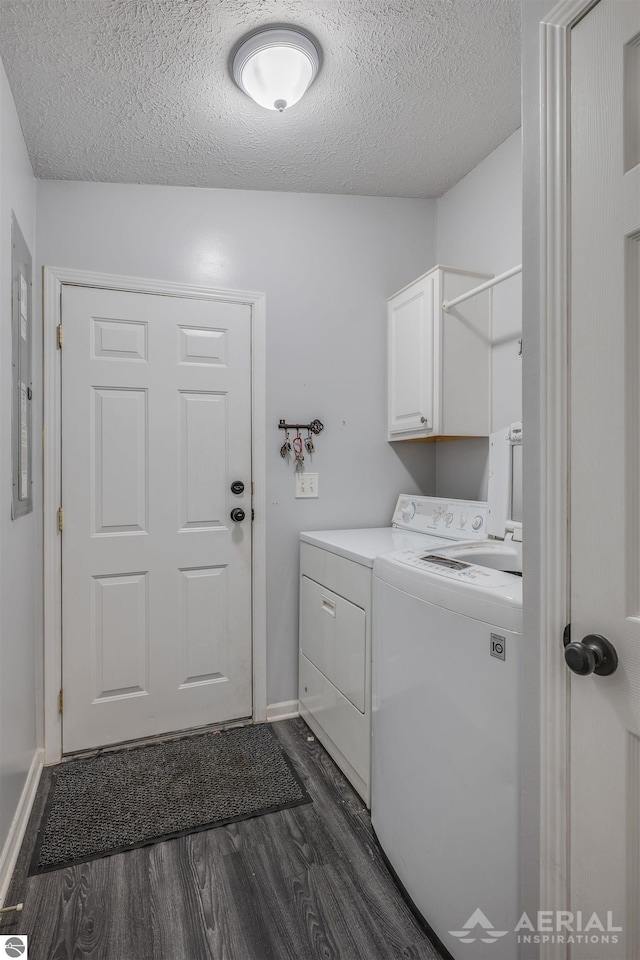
{"x": 285, "y": 449}
{"x": 308, "y": 444}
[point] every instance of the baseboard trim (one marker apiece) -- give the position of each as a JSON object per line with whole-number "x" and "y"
{"x": 11, "y": 849}
{"x": 283, "y": 711}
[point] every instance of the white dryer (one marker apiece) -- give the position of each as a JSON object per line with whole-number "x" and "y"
{"x": 335, "y": 618}
{"x": 445, "y": 749}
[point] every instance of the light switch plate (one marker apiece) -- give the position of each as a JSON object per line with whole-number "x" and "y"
{"x": 306, "y": 485}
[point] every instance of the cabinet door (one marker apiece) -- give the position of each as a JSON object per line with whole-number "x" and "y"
{"x": 411, "y": 316}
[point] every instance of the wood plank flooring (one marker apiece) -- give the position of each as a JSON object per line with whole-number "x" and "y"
{"x": 303, "y": 884}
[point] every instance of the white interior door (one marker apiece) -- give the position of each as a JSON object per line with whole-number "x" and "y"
{"x": 605, "y": 476}
{"x": 156, "y": 577}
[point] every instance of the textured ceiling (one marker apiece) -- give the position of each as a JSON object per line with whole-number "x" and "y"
{"x": 412, "y": 94}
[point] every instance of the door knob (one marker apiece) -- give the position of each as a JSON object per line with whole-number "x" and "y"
{"x": 237, "y": 514}
{"x": 593, "y": 654}
{"x": 237, "y": 486}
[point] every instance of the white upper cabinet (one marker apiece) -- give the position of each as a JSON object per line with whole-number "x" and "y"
{"x": 439, "y": 381}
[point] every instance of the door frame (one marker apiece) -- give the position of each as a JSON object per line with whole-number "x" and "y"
{"x": 553, "y": 562}
{"x": 53, "y": 280}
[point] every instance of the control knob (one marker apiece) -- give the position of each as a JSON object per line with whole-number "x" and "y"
{"x": 409, "y": 511}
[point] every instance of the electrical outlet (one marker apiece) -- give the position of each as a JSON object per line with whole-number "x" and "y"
{"x": 306, "y": 485}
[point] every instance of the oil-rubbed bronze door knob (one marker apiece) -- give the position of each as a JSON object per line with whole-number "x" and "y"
{"x": 593, "y": 654}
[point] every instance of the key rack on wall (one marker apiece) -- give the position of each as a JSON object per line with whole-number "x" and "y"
{"x": 316, "y": 426}
{"x": 288, "y": 447}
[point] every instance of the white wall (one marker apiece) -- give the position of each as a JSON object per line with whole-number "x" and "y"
{"x": 327, "y": 265}
{"x": 20, "y": 553}
{"x": 480, "y": 228}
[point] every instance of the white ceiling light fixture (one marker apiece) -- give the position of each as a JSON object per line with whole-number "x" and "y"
{"x": 275, "y": 66}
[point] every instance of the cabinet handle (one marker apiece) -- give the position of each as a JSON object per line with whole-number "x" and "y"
{"x": 424, "y": 420}
{"x": 329, "y": 606}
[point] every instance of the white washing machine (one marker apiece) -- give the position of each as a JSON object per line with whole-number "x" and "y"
{"x": 335, "y": 619}
{"x": 447, "y": 637}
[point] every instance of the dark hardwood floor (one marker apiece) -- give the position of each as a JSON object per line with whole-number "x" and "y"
{"x": 303, "y": 884}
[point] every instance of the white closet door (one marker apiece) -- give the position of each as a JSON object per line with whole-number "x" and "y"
{"x": 605, "y": 477}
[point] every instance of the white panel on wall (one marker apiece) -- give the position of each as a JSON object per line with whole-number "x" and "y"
{"x": 120, "y": 635}
{"x": 203, "y": 618}
{"x": 203, "y": 432}
{"x": 202, "y": 346}
{"x": 120, "y": 453}
{"x": 118, "y": 339}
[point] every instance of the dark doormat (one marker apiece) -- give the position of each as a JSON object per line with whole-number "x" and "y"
{"x": 121, "y": 800}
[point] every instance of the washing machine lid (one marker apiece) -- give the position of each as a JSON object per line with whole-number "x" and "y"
{"x": 487, "y": 595}
{"x": 505, "y": 555}
{"x": 363, "y": 546}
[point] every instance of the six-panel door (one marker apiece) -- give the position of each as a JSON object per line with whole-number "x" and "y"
{"x": 156, "y": 425}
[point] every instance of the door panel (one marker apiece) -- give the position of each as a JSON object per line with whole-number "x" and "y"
{"x": 410, "y": 348}
{"x": 202, "y": 494}
{"x": 605, "y": 547}
{"x": 156, "y": 401}
{"x": 203, "y": 624}
{"x": 120, "y": 635}
{"x": 119, "y": 435}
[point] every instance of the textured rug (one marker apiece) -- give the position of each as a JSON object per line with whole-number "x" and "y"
{"x": 117, "y": 801}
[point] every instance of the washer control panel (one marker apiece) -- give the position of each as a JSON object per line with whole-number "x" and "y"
{"x": 451, "y": 519}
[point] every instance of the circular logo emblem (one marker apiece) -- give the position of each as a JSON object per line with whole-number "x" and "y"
{"x": 14, "y": 947}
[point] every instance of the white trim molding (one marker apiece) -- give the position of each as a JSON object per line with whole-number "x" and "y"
{"x": 53, "y": 280}
{"x": 283, "y": 711}
{"x": 554, "y": 571}
{"x": 17, "y": 830}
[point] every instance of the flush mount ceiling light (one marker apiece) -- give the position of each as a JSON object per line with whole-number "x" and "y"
{"x": 275, "y": 66}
